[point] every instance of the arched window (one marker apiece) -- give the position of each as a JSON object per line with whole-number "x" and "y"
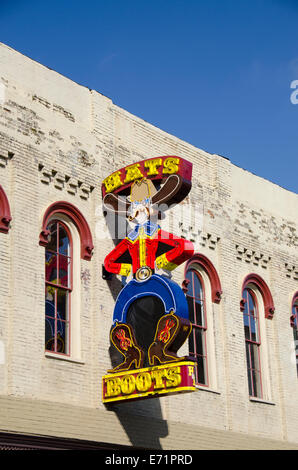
{"x": 5, "y": 215}
{"x": 294, "y": 324}
{"x": 67, "y": 239}
{"x": 197, "y": 316}
{"x": 252, "y": 343}
{"x": 256, "y": 305}
{"x": 58, "y": 288}
{"x": 202, "y": 289}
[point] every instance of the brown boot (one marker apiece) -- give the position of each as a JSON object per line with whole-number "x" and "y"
{"x": 122, "y": 337}
{"x": 171, "y": 332}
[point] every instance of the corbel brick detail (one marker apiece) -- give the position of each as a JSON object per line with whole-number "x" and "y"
{"x": 291, "y": 271}
{"x": 61, "y": 181}
{"x": 252, "y": 256}
{"x": 5, "y": 156}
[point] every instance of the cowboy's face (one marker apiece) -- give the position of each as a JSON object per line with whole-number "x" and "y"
{"x": 140, "y": 212}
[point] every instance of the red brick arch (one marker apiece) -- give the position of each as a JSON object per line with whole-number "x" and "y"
{"x": 259, "y": 282}
{"x": 5, "y": 215}
{"x": 209, "y": 268}
{"x": 293, "y": 318}
{"x": 68, "y": 209}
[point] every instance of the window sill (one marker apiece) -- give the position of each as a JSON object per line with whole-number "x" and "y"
{"x": 206, "y": 389}
{"x": 61, "y": 357}
{"x": 260, "y": 400}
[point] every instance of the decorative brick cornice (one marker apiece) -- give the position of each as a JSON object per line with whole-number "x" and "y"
{"x": 209, "y": 240}
{"x": 4, "y": 158}
{"x": 291, "y": 271}
{"x": 61, "y": 181}
{"x": 252, "y": 256}
{"x": 205, "y": 239}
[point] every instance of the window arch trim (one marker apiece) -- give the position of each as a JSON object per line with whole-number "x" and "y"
{"x": 292, "y": 318}
{"x": 5, "y": 215}
{"x": 206, "y": 264}
{"x": 264, "y": 290}
{"x": 68, "y": 209}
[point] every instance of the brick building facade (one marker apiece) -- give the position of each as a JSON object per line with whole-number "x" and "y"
{"x": 58, "y": 141}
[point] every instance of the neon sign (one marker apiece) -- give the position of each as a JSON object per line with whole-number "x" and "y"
{"x": 149, "y": 382}
{"x": 150, "y": 319}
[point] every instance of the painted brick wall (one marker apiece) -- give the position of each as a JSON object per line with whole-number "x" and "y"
{"x": 58, "y": 140}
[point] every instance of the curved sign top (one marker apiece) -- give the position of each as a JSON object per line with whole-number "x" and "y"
{"x": 156, "y": 169}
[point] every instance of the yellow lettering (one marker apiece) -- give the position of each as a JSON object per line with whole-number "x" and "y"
{"x": 128, "y": 384}
{"x": 133, "y": 173}
{"x": 171, "y": 165}
{"x": 113, "y": 182}
{"x": 143, "y": 381}
{"x": 152, "y": 166}
{"x": 173, "y": 377}
{"x": 113, "y": 387}
{"x": 157, "y": 376}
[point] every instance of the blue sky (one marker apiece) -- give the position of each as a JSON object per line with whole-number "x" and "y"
{"x": 215, "y": 73}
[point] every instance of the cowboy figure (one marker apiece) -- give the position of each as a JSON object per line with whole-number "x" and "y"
{"x": 146, "y": 256}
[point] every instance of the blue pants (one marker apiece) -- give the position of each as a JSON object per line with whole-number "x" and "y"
{"x": 169, "y": 292}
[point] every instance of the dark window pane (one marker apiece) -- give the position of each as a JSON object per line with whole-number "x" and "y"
{"x": 64, "y": 268}
{"x": 295, "y": 314}
{"x": 251, "y": 304}
{"x": 51, "y": 267}
{"x": 247, "y": 349}
{"x": 63, "y": 241}
{"x": 253, "y": 370}
{"x": 249, "y": 370}
{"x": 50, "y": 301}
{"x": 256, "y": 384}
{"x": 62, "y": 305}
{"x": 253, "y": 357}
{"x": 250, "y": 391}
{"x": 50, "y": 329}
{"x": 253, "y": 319}
{"x": 199, "y": 314}
{"x": 246, "y": 310}
{"x": 49, "y": 335}
{"x": 198, "y": 291}
{"x": 246, "y": 327}
{"x": 61, "y": 342}
{"x": 254, "y": 331}
{"x": 201, "y": 370}
{"x": 52, "y": 245}
{"x": 191, "y": 343}
{"x": 190, "y": 308}
{"x": 197, "y": 350}
{"x": 189, "y": 276}
{"x": 246, "y": 304}
{"x": 199, "y": 341}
